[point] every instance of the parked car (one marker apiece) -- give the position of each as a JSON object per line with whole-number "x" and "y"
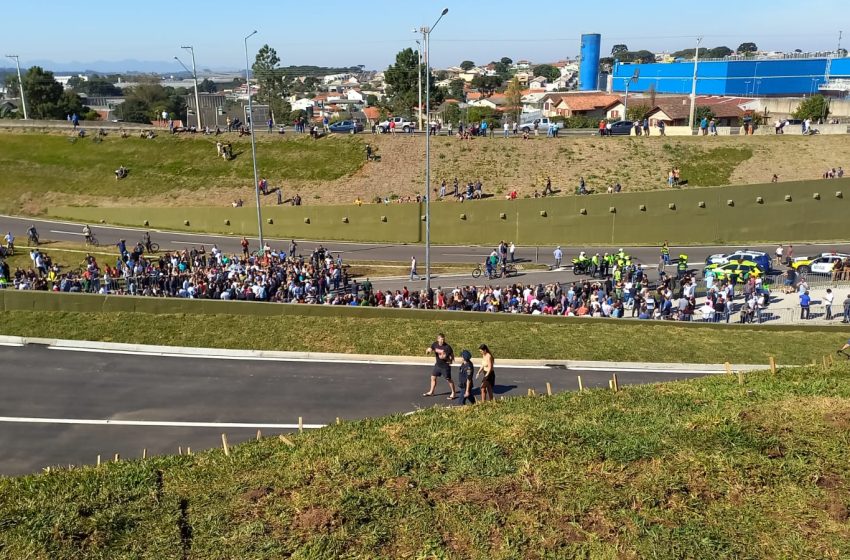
{"x": 401, "y": 125}
{"x": 543, "y": 124}
{"x": 759, "y": 257}
{"x": 346, "y": 127}
{"x": 621, "y": 128}
{"x": 742, "y": 269}
{"x": 822, "y": 264}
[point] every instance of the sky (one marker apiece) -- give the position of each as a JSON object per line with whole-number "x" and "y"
{"x": 347, "y": 33}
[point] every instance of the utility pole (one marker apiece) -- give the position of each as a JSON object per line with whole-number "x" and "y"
{"x": 694, "y": 88}
{"x": 419, "y": 79}
{"x": 20, "y": 83}
{"x": 195, "y": 76}
{"x": 254, "y": 144}
{"x": 426, "y": 36}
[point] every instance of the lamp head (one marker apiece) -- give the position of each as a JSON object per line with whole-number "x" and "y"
{"x": 445, "y": 11}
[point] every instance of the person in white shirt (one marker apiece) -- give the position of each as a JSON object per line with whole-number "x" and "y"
{"x": 828, "y": 298}
{"x": 558, "y": 254}
{"x": 779, "y": 252}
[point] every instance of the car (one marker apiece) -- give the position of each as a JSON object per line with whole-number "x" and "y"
{"x": 743, "y": 269}
{"x": 821, "y": 264}
{"x": 401, "y": 125}
{"x": 760, "y": 257}
{"x": 543, "y": 124}
{"x": 346, "y": 127}
{"x": 620, "y": 128}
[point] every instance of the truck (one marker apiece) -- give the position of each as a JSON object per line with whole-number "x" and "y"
{"x": 401, "y": 124}
{"x": 543, "y": 123}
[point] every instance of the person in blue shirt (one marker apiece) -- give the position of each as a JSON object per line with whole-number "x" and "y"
{"x": 465, "y": 380}
{"x": 703, "y": 126}
{"x": 805, "y": 301}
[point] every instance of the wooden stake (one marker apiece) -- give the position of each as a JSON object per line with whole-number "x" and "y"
{"x": 338, "y": 422}
{"x": 825, "y": 362}
{"x": 831, "y": 360}
{"x": 772, "y": 361}
{"x": 145, "y": 453}
{"x": 580, "y": 386}
{"x": 611, "y": 384}
{"x": 533, "y": 393}
{"x": 188, "y": 451}
{"x": 300, "y": 424}
{"x": 117, "y": 457}
{"x": 740, "y": 378}
{"x": 98, "y": 460}
{"x": 548, "y": 388}
{"x": 224, "y": 445}
{"x": 728, "y": 368}
{"x": 616, "y": 385}
{"x": 259, "y": 435}
{"x": 286, "y": 440}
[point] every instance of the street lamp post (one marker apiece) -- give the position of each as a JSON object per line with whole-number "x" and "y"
{"x": 253, "y": 143}
{"x": 419, "y": 79}
{"x": 426, "y": 36}
{"x": 20, "y": 83}
{"x": 694, "y": 88}
{"x": 195, "y": 76}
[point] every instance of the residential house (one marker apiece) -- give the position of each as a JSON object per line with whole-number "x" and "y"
{"x": 523, "y": 77}
{"x": 531, "y": 100}
{"x": 496, "y": 101}
{"x": 470, "y": 74}
{"x": 538, "y": 82}
{"x": 354, "y": 95}
{"x": 573, "y": 104}
{"x": 372, "y": 115}
{"x": 522, "y": 65}
{"x": 675, "y": 110}
{"x": 303, "y": 104}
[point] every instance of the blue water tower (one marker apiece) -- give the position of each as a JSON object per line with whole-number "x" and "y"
{"x": 588, "y": 74}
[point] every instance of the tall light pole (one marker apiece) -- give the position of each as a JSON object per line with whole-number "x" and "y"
{"x": 253, "y": 143}
{"x": 195, "y": 76}
{"x": 426, "y": 36}
{"x": 419, "y": 79}
{"x": 694, "y": 88}
{"x": 197, "y": 107}
{"x": 20, "y": 83}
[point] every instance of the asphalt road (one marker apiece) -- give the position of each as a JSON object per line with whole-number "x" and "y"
{"x": 46, "y": 393}
{"x": 110, "y": 235}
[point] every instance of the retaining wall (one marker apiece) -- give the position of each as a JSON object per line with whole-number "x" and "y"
{"x": 800, "y": 211}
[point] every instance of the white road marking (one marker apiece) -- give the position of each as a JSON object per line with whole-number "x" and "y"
{"x": 260, "y": 358}
{"x": 154, "y": 423}
{"x": 67, "y": 232}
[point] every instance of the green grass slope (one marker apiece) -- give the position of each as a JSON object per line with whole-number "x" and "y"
{"x": 699, "y": 469}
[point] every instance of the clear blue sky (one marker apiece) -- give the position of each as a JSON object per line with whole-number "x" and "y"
{"x": 336, "y": 32}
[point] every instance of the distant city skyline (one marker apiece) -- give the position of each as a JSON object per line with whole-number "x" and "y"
{"x": 344, "y": 34}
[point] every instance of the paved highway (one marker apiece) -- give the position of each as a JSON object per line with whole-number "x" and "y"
{"x": 54, "y": 403}
{"x": 109, "y": 235}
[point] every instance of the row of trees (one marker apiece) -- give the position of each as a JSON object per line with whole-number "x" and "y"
{"x": 45, "y": 97}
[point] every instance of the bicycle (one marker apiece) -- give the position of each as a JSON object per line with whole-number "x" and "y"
{"x": 92, "y": 240}
{"x": 152, "y": 247}
{"x": 32, "y": 240}
{"x": 503, "y": 271}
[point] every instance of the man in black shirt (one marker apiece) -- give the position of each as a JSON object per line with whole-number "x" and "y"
{"x": 442, "y": 365}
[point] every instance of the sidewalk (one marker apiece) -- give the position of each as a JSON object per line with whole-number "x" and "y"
{"x": 784, "y": 309}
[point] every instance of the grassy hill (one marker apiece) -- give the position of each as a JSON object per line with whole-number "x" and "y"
{"x": 700, "y": 469}
{"x": 37, "y": 169}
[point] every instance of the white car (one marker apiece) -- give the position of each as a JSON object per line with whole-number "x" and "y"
{"x": 401, "y": 125}
{"x": 822, "y": 264}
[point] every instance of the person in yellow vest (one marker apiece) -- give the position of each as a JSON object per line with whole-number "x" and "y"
{"x": 665, "y": 253}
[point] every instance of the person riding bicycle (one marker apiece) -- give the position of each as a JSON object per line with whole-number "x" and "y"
{"x": 32, "y": 234}
{"x": 492, "y": 263}
{"x": 87, "y": 233}
{"x": 10, "y": 241}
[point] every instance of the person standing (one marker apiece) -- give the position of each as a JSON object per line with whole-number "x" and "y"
{"x": 465, "y": 379}
{"x": 846, "y": 304}
{"x": 413, "y": 273}
{"x": 244, "y": 244}
{"x": 444, "y": 356}
{"x": 665, "y": 253}
{"x": 779, "y": 252}
{"x": 512, "y": 251}
{"x": 827, "y": 300}
{"x": 805, "y": 302}
{"x": 558, "y": 254}
{"x": 488, "y": 371}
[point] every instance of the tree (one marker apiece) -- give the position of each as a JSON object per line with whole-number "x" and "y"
{"x": 547, "y": 71}
{"x": 467, "y": 65}
{"x": 637, "y": 111}
{"x": 703, "y": 112}
{"x": 134, "y": 110}
{"x": 747, "y": 48}
{"x": 486, "y": 84}
{"x": 403, "y": 84}
{"x": 503, "y": 70}
{"x": 371, "y": 99}
{"x": 271, "y": 80}
{"x": 719, "y": 52}
{"x": 814, "y": 107}
{"x": 618, "y": 50}
{"x": 456, "y": 89}
{"x": 207, "y": 86}
{"x": 451, "y": 114}
{"x": 46, "y": 97}
{"x": 513, "y": 96}
{"x": 478, "y": 114}
{"x": 506, "y": 60}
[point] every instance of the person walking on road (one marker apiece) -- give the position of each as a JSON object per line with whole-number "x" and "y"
{"x": 559, "y": 255}
{"x": 444, "y": 356}
{"x": 827, "y": 301}
{"x": 805, "y": 302}
{"x": 488, "y": 371}
{"x": 465, "y": 379}
{"x": 413, "y": 273}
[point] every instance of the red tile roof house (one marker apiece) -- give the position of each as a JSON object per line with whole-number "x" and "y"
{"x": 675, "y": 110}
{"x": 574, "y": 104}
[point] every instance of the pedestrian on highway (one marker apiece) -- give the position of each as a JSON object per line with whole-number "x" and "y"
{"x": 292, "y": 247}
{"x": 444, "y": 356}
{"x": 805, "y": 301}
{"x": 512, "y": 251}
{"x": 244, "y": 244}
{"x": 413, "y": 273}
{"x": 827, "y": 300}
{"x": 779, "y": 252}
{"x": 465, "y": 379}
{"x": 559, "y": 255}
{"x": 488, "y": 371}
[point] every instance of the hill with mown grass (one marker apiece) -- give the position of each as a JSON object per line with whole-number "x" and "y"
{"x": 38, "y": 170}
{"x": 701, "y": 469}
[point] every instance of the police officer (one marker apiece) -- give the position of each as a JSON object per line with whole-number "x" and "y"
{"x": 682, "y": 266}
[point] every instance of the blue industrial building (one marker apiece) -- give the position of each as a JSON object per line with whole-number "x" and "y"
{"x": 738, "y": 78}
